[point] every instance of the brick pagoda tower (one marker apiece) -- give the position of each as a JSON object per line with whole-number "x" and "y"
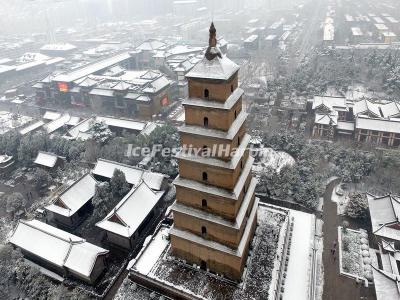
{"x": 215, "y": 211}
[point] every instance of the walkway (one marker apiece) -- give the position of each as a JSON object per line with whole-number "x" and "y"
{"x": 336, "y": 286}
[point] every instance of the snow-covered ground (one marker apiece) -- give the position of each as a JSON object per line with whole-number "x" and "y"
{"x": 7, "y": 123}
{"x": 341, "y": 200}
{"x": 268, "y": 157}
{"x": 299, "y": 269}
{"x": 152, "y": 250}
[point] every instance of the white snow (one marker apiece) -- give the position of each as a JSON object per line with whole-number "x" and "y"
{"x": 46, "y": 159}
{"x": 56, "y": 246}
{"x": 274, "y": 159}
{"x": 106, "y": 168}
{"x": 131, "y": 211}
{"x": 7, "y": 122}
{"x": 298, "y": 274}
{"x": 73, "y": 198}
{"x": 152, "y": 252}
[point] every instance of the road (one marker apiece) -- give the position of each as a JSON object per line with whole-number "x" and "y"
{"x": 337, "y": 286}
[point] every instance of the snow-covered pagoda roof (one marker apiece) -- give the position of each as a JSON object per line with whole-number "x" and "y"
{"x": 46, "y": 159}
{"x": 133, "y": 175}
{"x": 74, "y": 197}
{"x": 56, "y": 246}
{"x": 214, "y": 65}
{"x": 385, "y": 213}
{"x": 131, "y": 211}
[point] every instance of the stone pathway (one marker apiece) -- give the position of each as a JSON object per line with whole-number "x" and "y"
{"x": 336, "y": 286}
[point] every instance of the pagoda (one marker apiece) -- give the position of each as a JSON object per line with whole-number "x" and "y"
{"x": 215, "y": 213}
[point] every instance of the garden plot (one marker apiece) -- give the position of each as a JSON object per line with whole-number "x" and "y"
{"x": 354, "y": 255}
{"x": 9, "y": 121}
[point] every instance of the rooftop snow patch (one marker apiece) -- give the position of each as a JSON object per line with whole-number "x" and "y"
{"x": 106, "y": 168}
{"x": 74, "y": 197}
{"x": 46, "y": 159}
{"x": 56, "y": 246}
{"x": 219, "y": 68}
{"x": 130, "y": 213}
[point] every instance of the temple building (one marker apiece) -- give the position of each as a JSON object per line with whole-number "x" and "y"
{"x": 215, "y": 213}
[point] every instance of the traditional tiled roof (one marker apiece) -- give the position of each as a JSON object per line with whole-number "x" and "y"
{"x": 130, "y": 213}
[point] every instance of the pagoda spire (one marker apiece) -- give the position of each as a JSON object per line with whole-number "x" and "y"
{"x": 212, "y": 51}
{"x": 212, "y": 42}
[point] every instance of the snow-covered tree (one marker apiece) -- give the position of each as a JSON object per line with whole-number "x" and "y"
{"x": 118, "y": 184}
{"x": 15, "y": 203}
{"x": 357, "y": 206}
{"x": 100, "y": 132}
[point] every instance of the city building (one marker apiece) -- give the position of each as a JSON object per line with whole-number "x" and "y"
{"x": 215, "y": 210}
{"x": 59, "y": 251}
{"x": 109, "y": 86}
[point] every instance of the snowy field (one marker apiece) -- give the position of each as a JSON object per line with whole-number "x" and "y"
{"x": 268, "y": 157}
{"x": 7, "y": 122}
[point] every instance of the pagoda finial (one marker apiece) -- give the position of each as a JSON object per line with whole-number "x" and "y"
{"x": 212, "y": 52}
{"x": 212, "y": 42}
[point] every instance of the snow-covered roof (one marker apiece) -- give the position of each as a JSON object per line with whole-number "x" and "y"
{"x": 356, "y": 31}
{"x": 383, "y": 125}
{"x": 215, "y": 133}
{"x": 217, "y": 191}
{"x": 92, "y": 68}
{"x": 326, "y": 119}
{"x": 46, "y": 159}
{"x": 122, "y": 123}
{"x": 130, "y": 213}
{"x": 347, "y": 126}
{"x": 331, "y": 103}
{"x": 210, "y": 217}
{"x": 381, "y": 26}
{"x": 73, "y": 121}
{"x": 329, "y": 32}
{"x": 221, "y": 67}
{"x": 51, "y": 115}
{"x": 56, "y": 246}
{"x": 57, "y": 124}
{"x": 134, "y": 176}
{"x": 186, "y": 235}
{"x": 385, "y": 212}
{"x": 31, "y": 127}
{"x": 366, "y": 107}
{"x": 228, "y": 104}
{"x": 151, "y": 45}
{"x": 74, "y": 197}
{"x": 58, "y": 47}
{"x": 216, "y": 162}
{"x": 391, "y": 109}
{"x": 387, "y": 285}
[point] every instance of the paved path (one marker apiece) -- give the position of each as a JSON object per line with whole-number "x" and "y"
{"x": 336, "y": 286}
